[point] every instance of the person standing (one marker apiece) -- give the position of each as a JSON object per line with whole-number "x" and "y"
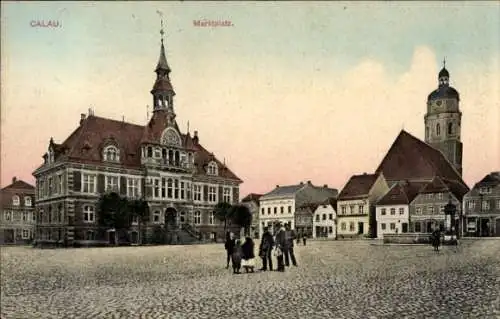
{"x": 304, "y": 239}
{"x": 280, "y": 247}
{"x": 229, "y": 246}
{"x": 288, "y": 248}
{"x": 265, "y": 249}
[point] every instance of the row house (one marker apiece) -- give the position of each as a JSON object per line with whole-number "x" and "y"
{"x": 251, "y": 201}
{"x": 325, "y": 220}
{"x": 356, "y": 205}
{"x": 180, "y": 180}
{"x": 281, "y": 204}
{"x": 482, "y": 207}
{"x": 17, "y": 218}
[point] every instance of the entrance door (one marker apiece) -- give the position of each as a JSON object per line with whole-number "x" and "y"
{"x": 485, "y": 227}
{"x": 8, "y": 236}
{"x": 361, "y": 227}
{"x": 171, "y": 218}
{"x": 135, "y": 237}
{"x": 112, "y": 237}
{"x": 405, "y": 227}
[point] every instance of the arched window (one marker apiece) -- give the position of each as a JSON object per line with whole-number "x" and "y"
{"x": 212, "y": 168}
{"x": 150, "y": 152}
{"x": 111, "y": 154}
{"x": 438, "y": 129}
{"x": 15, "y": 200}
{"x": 450, "y": 128}
{"x": 27, "y": 201}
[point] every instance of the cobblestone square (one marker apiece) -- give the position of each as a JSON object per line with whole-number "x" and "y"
{"x": 350, "y": 279}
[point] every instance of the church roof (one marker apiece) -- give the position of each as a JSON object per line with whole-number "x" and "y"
{"x": 358, "y": 186}
{"x": 444, "y": 92}
{"x": 411, "y": 159}
{"x": 86, "y": 143}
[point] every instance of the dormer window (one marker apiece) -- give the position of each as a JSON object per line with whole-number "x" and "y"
{"x": 27, "y": 201}
{"x": 212, "y": 168}
{"x": 111, "y": 154}
{"x": 50, "y": 157}
{"x": 15, "y": 200}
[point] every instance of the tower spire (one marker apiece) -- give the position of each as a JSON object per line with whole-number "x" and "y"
{"x": 444, "y": 63}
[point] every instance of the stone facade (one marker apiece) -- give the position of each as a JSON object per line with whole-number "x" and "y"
{"x": 482, "y": 208}
{"x": 17, "y": 218}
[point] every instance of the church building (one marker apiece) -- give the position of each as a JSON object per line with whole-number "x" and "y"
{"x": 180, "y": 180}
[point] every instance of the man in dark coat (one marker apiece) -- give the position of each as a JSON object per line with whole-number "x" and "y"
{"x": 288, "y": 248}
{"x": 265, "y": 249}
{"x": 280, "y": 247}
{"x": 229, "y": 246}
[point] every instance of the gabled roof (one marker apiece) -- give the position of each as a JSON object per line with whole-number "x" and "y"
{"x": 400, "y": 194}
{"x": 284, "y": 190}
{"x": 251, "y": 197}
{"x": 411, "y": 159}
{"x": 309, "y": 206}
{"x": 203, "y": 157}
{"x": 492, "y": 179}
{"x": 358, "y": 186}
{"x": 19, "y": 185}
{"x": 439, "y": 185}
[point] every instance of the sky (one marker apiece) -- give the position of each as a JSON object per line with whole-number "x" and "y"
{"x": 290, "y": 92}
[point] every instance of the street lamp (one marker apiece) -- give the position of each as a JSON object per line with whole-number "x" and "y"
{"x": 450, "y": 211}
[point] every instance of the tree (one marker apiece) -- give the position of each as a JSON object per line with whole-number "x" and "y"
{"x": 139, "y": 208}
{"x": 241, "y": 216}
{"x": 113, "y": 212}
{"x": 223, "y": 213}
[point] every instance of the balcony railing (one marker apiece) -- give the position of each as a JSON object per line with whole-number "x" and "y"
{"x": 167, "y": 164}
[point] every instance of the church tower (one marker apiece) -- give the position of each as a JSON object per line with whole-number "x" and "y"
{"x": 443, "y": 120}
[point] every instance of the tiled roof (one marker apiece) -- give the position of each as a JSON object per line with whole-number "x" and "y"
{"x": 86, "y": 143}
{"x": 309, "y": 206}
{"x": 492, "y": 179}
{"x": 439, "y": 185}
{"x": 411, "y": 159}
{"x": 400, "y": 193}
{"x": 358, "y": 186}
{"x": 251, "y": 197}
{"x": 19, "y": 185}
{"x": 283, "y": 190}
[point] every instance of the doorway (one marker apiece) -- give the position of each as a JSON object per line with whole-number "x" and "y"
{"x": 484, "y": 227}
{"x": 112, "y": 237}
{"x": 171, "y": 218}
{"x": 404, "y": 227}
{"x": 134, "y": 237}
{"x": 361, "y": 228}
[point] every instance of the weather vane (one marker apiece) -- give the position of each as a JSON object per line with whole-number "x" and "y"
{"x": 161, "y": 21}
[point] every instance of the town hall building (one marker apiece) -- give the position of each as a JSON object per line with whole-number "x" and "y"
{"x": 180, "y": 180}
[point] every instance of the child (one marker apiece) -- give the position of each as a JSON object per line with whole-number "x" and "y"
{"x": 248, "y": 257}
{"x": 236, "y": 257}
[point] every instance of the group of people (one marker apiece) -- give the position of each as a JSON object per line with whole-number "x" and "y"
{"x": 280, "y": 246}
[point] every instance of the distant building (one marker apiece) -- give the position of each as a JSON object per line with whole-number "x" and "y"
{"x": 280, "y": 205}
{"x": 393, "y": 209}
{"x": 17, "y": 218}
{"x": 356, "y": 205}
{"x": 304, "y": 219}
{"x": 252, "y": 202}
{"x": 482, "y": 207}
{"x": 179, "y": 178}
{"x": 325, "y": 219}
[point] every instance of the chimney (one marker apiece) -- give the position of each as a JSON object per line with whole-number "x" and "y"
{"x": 277, "y": 186}
{"x": 325, "y": 186}
{"x": 364, "y": 173}
{"x": 195, "y": 137}
{"x": 309, "y": 183}
{"x": 301, "y": 183}
{"x": 14, "y": 179}
{"x": 82, "y": 118}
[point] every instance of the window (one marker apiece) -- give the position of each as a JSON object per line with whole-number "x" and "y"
{"x": 51, "y": 186}
{"x": 263, "y": 211}
{"x": 188, "y": 191}
{"x": 41, "y": 214}
{"x": 269, "y": 210}
{"x": 275, "y": 210}
{"x": 427, "y": 132}
{"x": 15, "y": 200}
{"x": 197, "y": 192}
{"x": 183, "y": 191}
{"x": 351, "y": 209}
{"x": 157, "y": 153}
{"x": 450, "y": 128}
{"x": 382, "y": 226}
{"x": 289, "y": 209}
{"x": 430, "y": 210}
{"x": 111, "y": 154}
{"x": 393, "y": 226}
{"x": 360, "y": 209}
{"x": 156, "y": 216}
{"x": 282, "y": 209}
{"x": 485, "y": 190}
{"x": 226, "y": 196}
{"x": 317, "y": 218}
{"x": 383, "y": 211}
{"x": 441, "y": 209}
{"x": 132, "y": 187}
{"x": 176, "y": 188}
{"x": 27, "y": 201}
{"x": 471, "y": 204}
{"x": 135, "y": 220}
{"x": 351, "y": 226}
{"x": 212, "y": 194}
{"x": 60, "y": 184}
{"x": 111, "y": 183}
{"x": 343, "y": 209}
{"x": 156, "y": 188}
{"x": 498, "y": 203}
{"x": 25, "y": 216}
{"x": 418, "y": 211}
{"x": 393, "y": 211}
{"x": 88, "y": 214}
{"x": 196, "y": 188}
{"x": 197, "y": 218}
{"x": 330, "y": 229}
{"x": 89, "y": 235}
{"x": 26, "y": 234}
{"x": 401, "y": 211}
{"x": 41, "y": 188}
{"x": 438, "y": 129}
{"x": 211, "y": 218}
{"x": 342, "y": 226}
{"x": 439, "y": 196}
{"x": 429, "y": 196}
{"x": 418, "y": 228}
{"x": 88, "y": 183}
{"x": 324, "y": 216}
{"x": 212, "y": 168}
{"x": 60, "y": 217}
{"x": 485, "y": 205}
{"x": 8, "y": 216}
{"x": 183, "y": 217}
{"x": 330, "y": 216}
